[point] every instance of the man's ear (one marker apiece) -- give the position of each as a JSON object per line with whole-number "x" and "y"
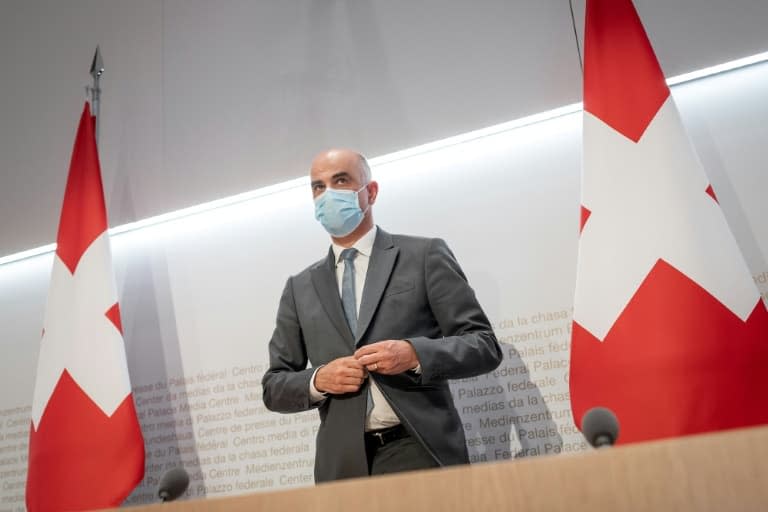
{"x": 373, "y": 191}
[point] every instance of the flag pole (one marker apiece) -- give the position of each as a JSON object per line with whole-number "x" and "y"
{"x": 94, "y": 91}
{"x": 576, "y": 37}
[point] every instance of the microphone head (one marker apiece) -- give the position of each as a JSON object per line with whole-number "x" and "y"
{"x": 173, "y": 483}
{"x": 600, "y": 426}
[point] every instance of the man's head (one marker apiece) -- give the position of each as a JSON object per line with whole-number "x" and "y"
{"x": 345, "y": 170}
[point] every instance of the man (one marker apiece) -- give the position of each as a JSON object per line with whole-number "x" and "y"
{"x": 385, "y": 321}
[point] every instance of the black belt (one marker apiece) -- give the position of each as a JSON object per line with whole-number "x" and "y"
{"x": 384, "y": 436}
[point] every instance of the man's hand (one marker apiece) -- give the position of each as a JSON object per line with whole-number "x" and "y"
{"x": 342, "y": 375}
{"x": 388, "y": 357}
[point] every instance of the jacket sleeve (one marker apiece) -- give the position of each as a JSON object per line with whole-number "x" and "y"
{"x": 286, "y": 382}
{"x": 468, "y": 346}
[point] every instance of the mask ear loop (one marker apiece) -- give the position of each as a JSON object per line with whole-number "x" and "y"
{"x": 369, "y": 204}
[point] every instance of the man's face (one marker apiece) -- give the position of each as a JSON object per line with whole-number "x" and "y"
{"x": 339, "y": 170}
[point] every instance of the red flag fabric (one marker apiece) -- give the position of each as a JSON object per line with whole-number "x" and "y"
{"x": 86, "y": 450}
{"x": 669, "y": 330}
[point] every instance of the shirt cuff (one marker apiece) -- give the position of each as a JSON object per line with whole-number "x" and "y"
{"x": 417, "y": 369}
{"x": 315, "y": 396}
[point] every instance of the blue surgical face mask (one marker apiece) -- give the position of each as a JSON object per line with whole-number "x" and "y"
{"x": 339, "y": 211}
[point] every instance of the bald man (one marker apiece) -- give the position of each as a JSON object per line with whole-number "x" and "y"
{"x": 385, "y": 321}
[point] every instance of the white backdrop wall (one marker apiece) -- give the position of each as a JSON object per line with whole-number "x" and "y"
{"x": 203, "y": 99}
{"x": 199, "y": 295}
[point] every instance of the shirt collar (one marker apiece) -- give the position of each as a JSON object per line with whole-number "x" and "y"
{"x": 364, "y": 244}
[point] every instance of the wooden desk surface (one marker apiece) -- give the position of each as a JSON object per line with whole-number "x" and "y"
{"x": 725, "y": 471}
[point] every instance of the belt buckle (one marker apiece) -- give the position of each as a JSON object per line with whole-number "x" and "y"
{"x": 380, "y": 437}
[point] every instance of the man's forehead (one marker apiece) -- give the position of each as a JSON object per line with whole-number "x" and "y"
{"x": 333, "y": 170}
{"x": 331, "y": 173}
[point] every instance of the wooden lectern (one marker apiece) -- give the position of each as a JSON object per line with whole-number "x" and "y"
{"x": 725, "y": 471}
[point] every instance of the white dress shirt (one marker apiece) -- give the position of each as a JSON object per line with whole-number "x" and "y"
{"x": 382, "y": 415}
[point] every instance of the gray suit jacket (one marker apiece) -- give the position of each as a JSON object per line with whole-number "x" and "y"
{"x": 414, "y": 290}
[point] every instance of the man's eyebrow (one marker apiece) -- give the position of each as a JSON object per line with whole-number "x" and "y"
{"x": 340, "y": 174}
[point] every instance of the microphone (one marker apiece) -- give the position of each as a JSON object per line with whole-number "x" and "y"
{"x": 173, "y": 483}
{"x": 600, "y": 426}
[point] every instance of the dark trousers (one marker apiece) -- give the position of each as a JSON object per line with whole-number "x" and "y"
{"x": 405, "y": 454}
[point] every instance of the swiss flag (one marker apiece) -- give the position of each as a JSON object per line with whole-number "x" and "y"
{"x": 85, "y": 449}
{"x": 669, "y": 329}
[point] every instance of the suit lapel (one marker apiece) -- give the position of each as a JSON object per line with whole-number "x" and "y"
{"x": 324, "y": 281}
{"x": 383, "y": 257}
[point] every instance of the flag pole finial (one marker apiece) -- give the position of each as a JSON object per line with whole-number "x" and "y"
{"x": 97, "y": 64}
{"x": 94, "y": 91}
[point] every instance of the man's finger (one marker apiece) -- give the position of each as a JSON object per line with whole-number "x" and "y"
{"x": 369, "y": 359}
{"x": 367, "y": 349}
{"x": 351, "y": 378}
{"x": 378, "y": 367}
{"x": 349, "y": 388}
{"x": 350, "y": 362}
{"x": 356, "y": 373}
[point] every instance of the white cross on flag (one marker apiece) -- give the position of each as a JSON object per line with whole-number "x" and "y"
{"x": 85, "y": 449}
{"x": 669, "y": 330}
